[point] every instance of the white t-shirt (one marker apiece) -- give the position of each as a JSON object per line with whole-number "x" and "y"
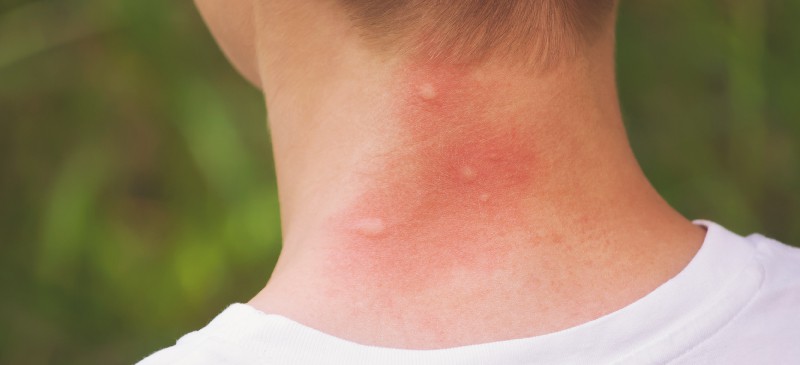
{"x": 737, "y": 302}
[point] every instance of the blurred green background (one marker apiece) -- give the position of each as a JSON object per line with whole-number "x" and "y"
{"x": 136, "y": 182}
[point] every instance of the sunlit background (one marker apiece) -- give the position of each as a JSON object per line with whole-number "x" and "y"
{"x": 137, "y": 196}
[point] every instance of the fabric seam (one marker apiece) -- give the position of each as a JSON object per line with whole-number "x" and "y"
{"x": 738, "y": 314}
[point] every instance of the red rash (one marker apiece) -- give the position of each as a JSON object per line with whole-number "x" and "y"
{"x": 457, "y": 182}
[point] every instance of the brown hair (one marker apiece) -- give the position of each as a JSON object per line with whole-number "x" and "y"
{"x": 470, "y": 30}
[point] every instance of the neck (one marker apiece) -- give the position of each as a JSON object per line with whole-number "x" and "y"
{"x": 415, "y": 194}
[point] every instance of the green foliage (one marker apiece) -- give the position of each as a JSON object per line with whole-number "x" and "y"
{"x": 137, "y": 186}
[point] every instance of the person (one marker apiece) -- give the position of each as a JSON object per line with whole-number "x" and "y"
{"x": 457, "y": 187}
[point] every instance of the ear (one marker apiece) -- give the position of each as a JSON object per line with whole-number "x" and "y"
{"x": 232, "y": 24}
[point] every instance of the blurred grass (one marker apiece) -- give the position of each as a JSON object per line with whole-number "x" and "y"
{"x": 138, "y": 196}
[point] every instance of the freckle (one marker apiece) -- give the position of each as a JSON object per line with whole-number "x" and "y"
{"x": 370, "y": 227}
{"x": 427, "y": 91}
{"x": 468, "y": 173}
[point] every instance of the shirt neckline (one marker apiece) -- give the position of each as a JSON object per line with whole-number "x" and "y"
{"x": 715, "y": 285}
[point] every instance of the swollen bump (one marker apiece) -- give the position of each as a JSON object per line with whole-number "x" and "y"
{"x": 468, "y": 173}
{"x": 370, "y": 227}
{"x": 427, "y": 91}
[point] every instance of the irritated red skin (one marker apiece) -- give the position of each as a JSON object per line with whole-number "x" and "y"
{"x": 458, "y": 182}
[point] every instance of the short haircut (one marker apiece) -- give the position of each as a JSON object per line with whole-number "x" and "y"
{"x": 462, "y": 31}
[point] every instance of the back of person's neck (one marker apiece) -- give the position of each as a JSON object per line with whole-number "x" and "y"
{"x": 416, "y": 194}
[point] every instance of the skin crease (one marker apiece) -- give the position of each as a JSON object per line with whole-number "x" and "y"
{"x": 429, "y": 205}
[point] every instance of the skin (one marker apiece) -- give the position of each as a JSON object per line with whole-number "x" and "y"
{"x": 431, "y": 205}
{"x": 452, "y": 170}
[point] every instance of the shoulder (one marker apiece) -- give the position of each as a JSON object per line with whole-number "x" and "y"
{"x": 781, "y": 263}
{"x": 195, "y": 348}
{"x": 238, "y": 335}
{"x": 778, "y": 301}
{"x": 767, "y": 328}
